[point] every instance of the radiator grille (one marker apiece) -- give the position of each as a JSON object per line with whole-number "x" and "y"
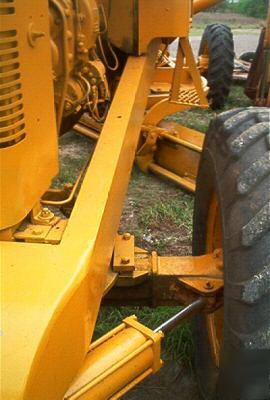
{"x": 7, "y": 7}
{"x": 12, "y": 123}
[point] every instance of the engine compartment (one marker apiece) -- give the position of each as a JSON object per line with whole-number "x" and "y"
{"x": 79, "y": 76}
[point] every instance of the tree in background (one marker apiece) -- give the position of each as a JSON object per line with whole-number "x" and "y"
{"x": 251, "y": 8}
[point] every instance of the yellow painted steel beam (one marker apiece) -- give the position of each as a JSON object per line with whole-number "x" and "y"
{"x": 183, "y": 182}
{"x": 51, "y": 293}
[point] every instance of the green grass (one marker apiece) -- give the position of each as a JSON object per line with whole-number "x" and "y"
{"x": 178, "y": 211}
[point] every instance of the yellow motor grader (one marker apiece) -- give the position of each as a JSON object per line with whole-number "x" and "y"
{"x": 99, "y": 65}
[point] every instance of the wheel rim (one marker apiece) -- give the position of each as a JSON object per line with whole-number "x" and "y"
{"x": 214, "y": 241}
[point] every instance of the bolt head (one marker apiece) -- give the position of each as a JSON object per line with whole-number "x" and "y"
{"x": 209, "y": 286}
{"x": 126, "y": 236}
{"x": 45, "y": 211}
{"x": 85, "y": 70}
{"x": 125, "y": 260}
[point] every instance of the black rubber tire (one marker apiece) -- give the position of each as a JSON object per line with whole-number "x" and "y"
{"x": 219, "y": 40}
{"x": 247, "y": 56}
{"x": 235, "y": 165}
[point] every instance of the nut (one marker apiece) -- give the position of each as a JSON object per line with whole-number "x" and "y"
{"x": 126, "y": 236}
{"x": 45, "y": 212}
{"x": 46, "y": 215}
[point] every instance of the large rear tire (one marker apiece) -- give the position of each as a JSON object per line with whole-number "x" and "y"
{"x": 217, "y": 44}
{"x": 232, "y": 210}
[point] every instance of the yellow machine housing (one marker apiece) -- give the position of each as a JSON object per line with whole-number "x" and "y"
{"x": 28, "y": 136}
{"x": 142, "y": 21}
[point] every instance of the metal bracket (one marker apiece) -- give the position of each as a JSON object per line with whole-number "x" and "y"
{"x": 42, "y": 233}
{"x": 123, "y": 259}
{"x": 172, "y": 151}
{"x": 150, "y": 279}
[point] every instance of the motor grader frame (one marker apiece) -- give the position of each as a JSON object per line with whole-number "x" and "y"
{"x": 55, "y": 271}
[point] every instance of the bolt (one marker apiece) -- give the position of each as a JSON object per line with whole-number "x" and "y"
{"x": 80, "y": 45}
{"x": 125, "y": 260}
{"x": 45, "y": 212}
{"x": 85, "y": 70}
{"x": 126, "y": 236}
{"x": 208, "y": 285}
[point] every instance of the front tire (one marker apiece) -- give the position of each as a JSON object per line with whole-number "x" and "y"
{"x": 217, "y": 44}
{"x": 234, "y": 177}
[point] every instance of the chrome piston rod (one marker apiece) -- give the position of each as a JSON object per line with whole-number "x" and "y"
{"x": 188, "y": 311}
